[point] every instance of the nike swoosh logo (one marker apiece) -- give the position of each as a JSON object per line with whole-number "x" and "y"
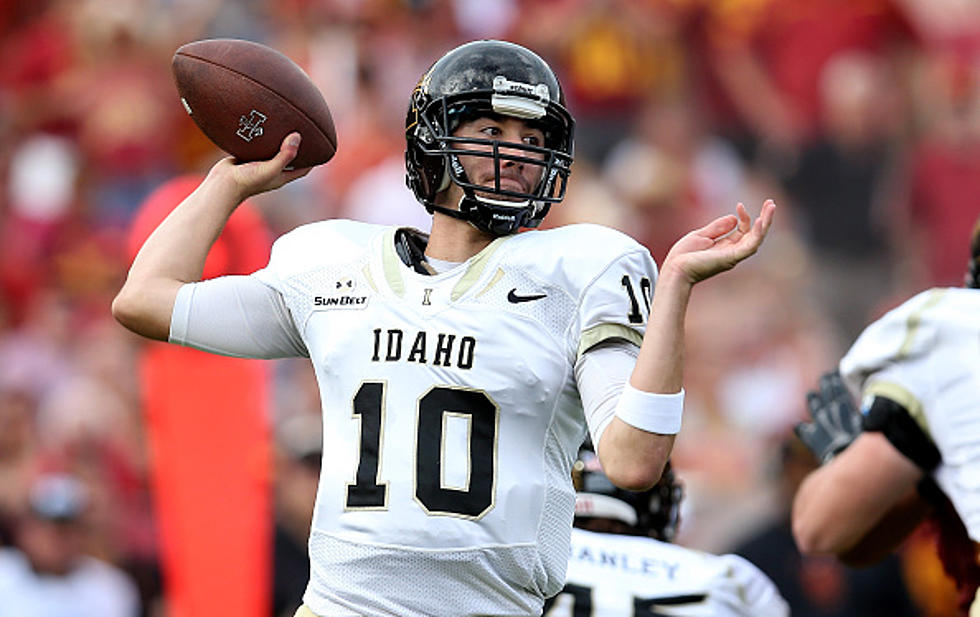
{"x": 513, "y": 298}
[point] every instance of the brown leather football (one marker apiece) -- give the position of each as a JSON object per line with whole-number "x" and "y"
{"x": 247, "y": 97}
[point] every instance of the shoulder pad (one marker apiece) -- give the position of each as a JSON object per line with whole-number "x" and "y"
{"x": 575, "y": 255}
{"x": 331, "y": 242}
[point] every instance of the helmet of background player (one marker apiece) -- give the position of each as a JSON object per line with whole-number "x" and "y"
{"x": 654, "y": 512}
{"x": 973, "y": 268}
{"x": 487, "y": 78}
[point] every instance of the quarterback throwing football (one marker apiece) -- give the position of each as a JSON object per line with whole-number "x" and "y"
{"x": 458, "y": 371}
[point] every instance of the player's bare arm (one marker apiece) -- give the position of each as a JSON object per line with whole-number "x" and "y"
{"x": 175, "y": 252}
{"x": 634, "y": 458}
{"x": 888, "y": 534}
{"x": 842, "y": 502}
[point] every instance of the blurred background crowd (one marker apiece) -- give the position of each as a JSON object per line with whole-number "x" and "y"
{"x": 860, "y": 117}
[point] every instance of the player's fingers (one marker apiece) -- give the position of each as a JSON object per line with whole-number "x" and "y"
{"x": 762, "y": 224}
{"x": 813, "y": 403}
{"x": 288, "y": 149}
{"x": 746, "y": 244}
{"x": 824, "y": 382}
{"x": 831, "y": 384}
{"x": 808, "y": 434}
{"x": 744, "y": 220}
{"x": 835, "y": 380}
{"x": 768, "y": 212}
{"x": 719, "y": 227}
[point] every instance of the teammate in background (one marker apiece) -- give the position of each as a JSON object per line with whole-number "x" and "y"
{"x": 622, "y": 563}
{"x": 458, "y": 371}
{"x": 913, "y": 450}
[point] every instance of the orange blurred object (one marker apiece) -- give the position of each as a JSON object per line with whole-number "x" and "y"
{"x": 209, "y": 444}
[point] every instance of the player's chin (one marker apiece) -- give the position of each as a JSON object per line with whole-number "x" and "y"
{"x": 504, "y": 197}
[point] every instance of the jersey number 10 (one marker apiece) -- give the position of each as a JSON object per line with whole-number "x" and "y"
{"x": 646, "y": 293}
{"x": 476, "y": 498}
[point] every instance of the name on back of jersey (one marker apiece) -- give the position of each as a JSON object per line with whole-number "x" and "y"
{"x": 624, "y": 562}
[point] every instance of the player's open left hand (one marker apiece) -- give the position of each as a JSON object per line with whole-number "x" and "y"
{"x": 260, "y": 176}
{"x": 719, "y": 245}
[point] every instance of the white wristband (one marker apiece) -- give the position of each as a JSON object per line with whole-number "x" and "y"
{"x": 651, "y": 412}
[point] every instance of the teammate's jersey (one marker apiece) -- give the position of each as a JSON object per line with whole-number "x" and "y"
{"x": 925, "y": 355}
{"x": 450, "y": 410}
{"x": 631, "y": 576}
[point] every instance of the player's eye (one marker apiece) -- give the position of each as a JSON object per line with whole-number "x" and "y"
{"x": 491, "y": 131}
{"x": 533, "y": 139}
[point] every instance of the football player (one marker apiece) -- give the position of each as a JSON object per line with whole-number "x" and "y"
{"x": 459, "y": 370}
{"x": 622, "y": 563}
{"x": 913, "y": 448}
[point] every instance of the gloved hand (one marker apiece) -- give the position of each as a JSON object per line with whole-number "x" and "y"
{"x": 836, "y": 419}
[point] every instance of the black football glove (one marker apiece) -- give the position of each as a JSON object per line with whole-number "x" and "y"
{"x": 836, "y": 419}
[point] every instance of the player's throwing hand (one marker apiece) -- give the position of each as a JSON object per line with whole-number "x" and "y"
{"x": 257, "y": 177}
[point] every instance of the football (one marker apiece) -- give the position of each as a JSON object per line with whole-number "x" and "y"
{"x": 246, "y": 97}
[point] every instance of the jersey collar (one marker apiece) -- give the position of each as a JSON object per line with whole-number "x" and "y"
{"x": 395, "y": 270}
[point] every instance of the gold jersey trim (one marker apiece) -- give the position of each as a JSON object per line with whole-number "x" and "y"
{"x": 499, "y": 274}
{"x": 596, "y": 334}
{"x": 475, "y": 269}
{"x": 915, "y": 321}
{"x": 390, "y": 263}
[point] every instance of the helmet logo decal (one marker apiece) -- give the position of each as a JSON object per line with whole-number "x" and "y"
{"x": 502, "y": 85}
{"x": 514, "y": 98}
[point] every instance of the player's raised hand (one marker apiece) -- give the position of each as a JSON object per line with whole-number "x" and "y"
{"x": 260, "y": 176}
{"x": 719, "y": 245}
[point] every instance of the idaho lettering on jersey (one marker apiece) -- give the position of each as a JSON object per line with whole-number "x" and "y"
{"x": 440, "y": 348}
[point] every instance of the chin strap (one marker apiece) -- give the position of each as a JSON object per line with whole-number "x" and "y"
{"x": 410, "y": 247}
{"x": 492, "y": 216}
{"x": 456, "y": 214}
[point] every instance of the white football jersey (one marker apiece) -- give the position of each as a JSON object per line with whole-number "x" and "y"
{"x": 450, "y": 410}
{"x": 925, "y": 355}
{"x": 633, "y": 576}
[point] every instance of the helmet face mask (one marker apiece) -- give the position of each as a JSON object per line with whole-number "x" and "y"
{"x": 492, "y": 79}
